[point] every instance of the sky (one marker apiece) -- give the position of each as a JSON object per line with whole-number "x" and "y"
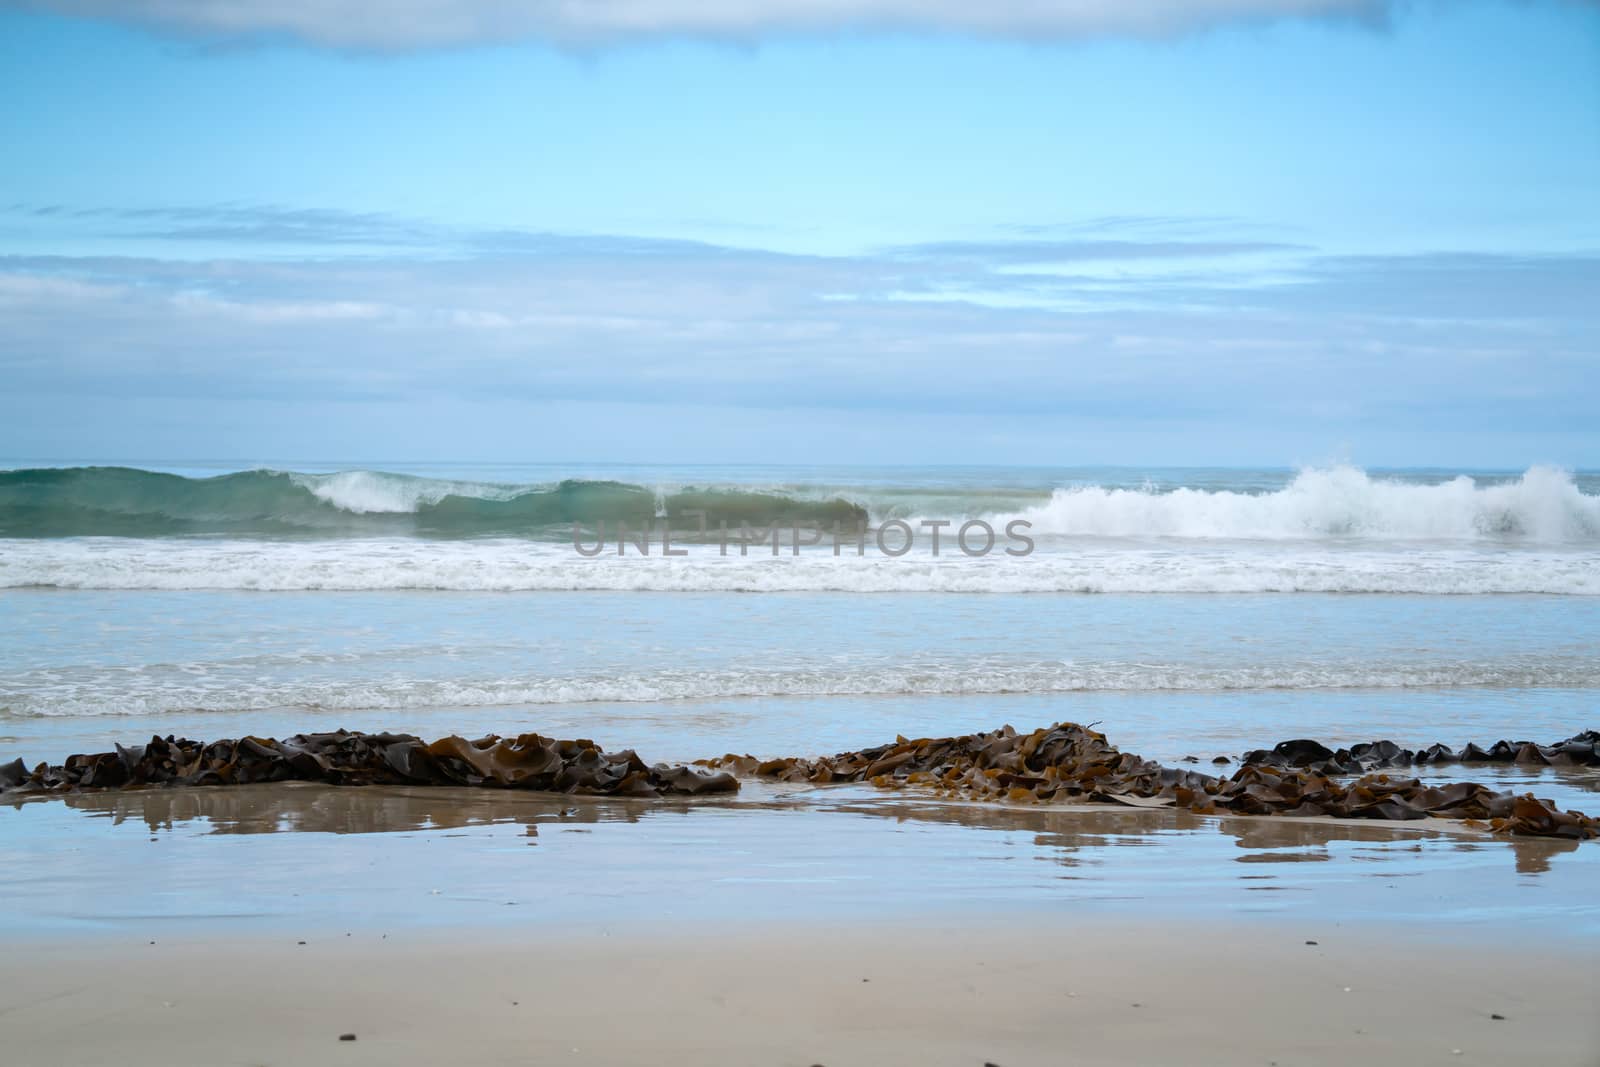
{"x": 1056, "y": 232}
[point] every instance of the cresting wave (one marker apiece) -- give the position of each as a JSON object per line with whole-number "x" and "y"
{"x": 124, "y": 502}
{"x": 136, "y": 693}
{"x": 1543, "y": 505}
{"x": 1343, "y": 503}
{"x": 514, "y": 565}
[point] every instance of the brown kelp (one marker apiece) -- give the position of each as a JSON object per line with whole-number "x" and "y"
{"x": 1066, "y": 762}
{"x": 528, "y": 761}
{"x": 1069, "y": 762}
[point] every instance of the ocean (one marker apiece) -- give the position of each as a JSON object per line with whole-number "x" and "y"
{"x": 1190, "y": 612}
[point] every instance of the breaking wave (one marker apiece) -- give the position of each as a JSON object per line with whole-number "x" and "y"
{"x": 1344, "y": 502}
{"x": 125, "y": 502}
{"x": 1543, "y": 505}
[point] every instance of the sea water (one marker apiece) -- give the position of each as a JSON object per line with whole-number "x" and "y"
{"x": 1188, "y": 612}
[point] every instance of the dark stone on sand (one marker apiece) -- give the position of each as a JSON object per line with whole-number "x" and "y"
{"x": 12, "y": 774}
{"x": 1301, "y": 750}
{"x": 1580, "y": 750}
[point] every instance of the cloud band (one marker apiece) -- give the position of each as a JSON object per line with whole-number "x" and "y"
{"x": 414, "y": 24}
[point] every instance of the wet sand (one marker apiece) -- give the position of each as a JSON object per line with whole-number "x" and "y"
{"x": 801, "y": 926}
{"x": 293, "y": 858}
{"x": 992, "y": 991}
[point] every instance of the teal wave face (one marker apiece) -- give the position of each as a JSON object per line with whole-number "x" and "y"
{"x": 126, "y": 502}
{"x": 1540, "y": 506}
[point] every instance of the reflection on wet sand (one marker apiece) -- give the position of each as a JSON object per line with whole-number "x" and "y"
{"x": 1567, "y": 785}
{"x": 307, "y": 808}
{"x": 1066, "y": 834}
{"x": 1072, "y": 830}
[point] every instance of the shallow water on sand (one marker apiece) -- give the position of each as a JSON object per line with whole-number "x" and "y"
{"x": 319, "y": 858}
{"x": 1188, "y": 613}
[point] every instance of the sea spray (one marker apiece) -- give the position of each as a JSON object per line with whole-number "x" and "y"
{"x": 1543, "y": 505}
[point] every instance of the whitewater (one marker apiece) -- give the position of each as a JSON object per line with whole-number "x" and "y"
{"x": 1321, "y": 530}
{"x": 1183, "y": 607}
{"x": 519, "y": 566}
{"x": 1541, "y": 505}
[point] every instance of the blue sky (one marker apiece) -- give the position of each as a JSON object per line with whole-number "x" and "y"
{"x": 1070, "y": 231}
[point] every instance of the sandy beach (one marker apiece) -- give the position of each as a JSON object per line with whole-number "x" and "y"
{"x": 256, "y": 925}
{"x": 1041, "y": 991}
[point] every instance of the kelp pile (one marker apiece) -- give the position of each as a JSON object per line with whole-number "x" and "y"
{"x": 1580, "y": 750}
{"x": 1066, "y": 762}
{"x": 528, "y": 761}
{"x": 1071, "y": 762}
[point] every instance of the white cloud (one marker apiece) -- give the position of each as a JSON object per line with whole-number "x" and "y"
{"x": 403, "y": 24}
{"x": 267, "y": 313}
{"x": 1402, "y": 340}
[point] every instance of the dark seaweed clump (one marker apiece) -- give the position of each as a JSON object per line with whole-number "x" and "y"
{"x": 345, "y": 758}
{"x": 1066, "y": 762}
{"x": 1072, "y": 762}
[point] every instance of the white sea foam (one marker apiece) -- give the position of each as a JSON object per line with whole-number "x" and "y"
{"x": 1543, "y": 505}
{"x": 511, "y": 565}
{"x": 376, "y": 492}
{"x": 206, "y": 688}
